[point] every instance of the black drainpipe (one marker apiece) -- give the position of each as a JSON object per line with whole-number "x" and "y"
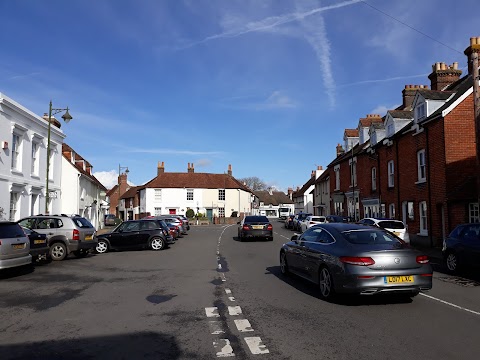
{"x": 379, "y": 187}
{"x": 429, "y": 208}
{"x": 398, "y": 174}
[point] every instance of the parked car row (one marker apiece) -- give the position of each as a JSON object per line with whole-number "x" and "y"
{"x": 57, "y": 236}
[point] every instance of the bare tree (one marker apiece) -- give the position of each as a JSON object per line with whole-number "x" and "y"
{"x": 254, "y": 183}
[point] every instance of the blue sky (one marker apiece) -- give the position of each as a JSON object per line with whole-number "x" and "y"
{"x": 265, "y": 85}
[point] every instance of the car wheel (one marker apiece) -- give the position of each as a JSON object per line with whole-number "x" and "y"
{"x": 157, "y": 244}
{"x": 80, "y": 253}
{"x": 102, "y": 246}
{"x": 451, "y": 261}
{"x": 240, "y": 237}
{"x": 283, "y": 263}
{"x": 325, "y": 282}
{"x": 58, "y": 251}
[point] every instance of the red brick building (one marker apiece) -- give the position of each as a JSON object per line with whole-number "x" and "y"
{"x": 416, "y": 164}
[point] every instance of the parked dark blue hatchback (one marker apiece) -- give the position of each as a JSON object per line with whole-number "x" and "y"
{"x": 462, "y": 247}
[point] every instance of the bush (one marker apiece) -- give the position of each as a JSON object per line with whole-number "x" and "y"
{"x": 234, "y": 214}
{"x": 200, "y": 215}
{"x": 190, "y": 213}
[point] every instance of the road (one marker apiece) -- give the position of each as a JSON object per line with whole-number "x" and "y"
{"x": 211, "y": 296}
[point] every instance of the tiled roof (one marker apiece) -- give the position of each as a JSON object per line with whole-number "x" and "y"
{"x": 435, "y": 94}
{"x": 401, "y": 114}
{"x": 351, "y": 132}
{"x": 366, "y": 122}
{"x": 130, "y": 193}
{"x": 195, "y": 181}
{"x": 112, "y": 190}
{"x": 276, "y": 198}
{"x": 67, "y": 149}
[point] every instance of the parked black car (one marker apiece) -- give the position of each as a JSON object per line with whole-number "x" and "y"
{"x": 462, "y": 247}
{"x": 38, "y": 244}
{"x": 144, "y": 233}
{"x": 255, "y": 227}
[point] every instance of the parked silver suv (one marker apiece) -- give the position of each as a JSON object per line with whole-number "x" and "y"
{"x": 65, "y": 234}
{"x": 14, "y": 246}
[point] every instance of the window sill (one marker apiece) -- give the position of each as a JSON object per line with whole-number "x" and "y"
{"x": 35, "y": 176}
{"x": 422, "y": 233}
{"x": 391, "y": 187}
{"x": 423, "y": 181}
{"x": 16, "y": 172}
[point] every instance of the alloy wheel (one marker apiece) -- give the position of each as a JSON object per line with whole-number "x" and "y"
{"x": 157, "y": 244}
{"x": 325, "y": 283}
{"x": 452, "y": 262}
{"x": 283, "y": 263}
{"x": 58, "y": 251}
{"x": 102, "y": 247}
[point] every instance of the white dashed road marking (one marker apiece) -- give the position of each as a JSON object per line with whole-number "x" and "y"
{"x": 212, "y": 312}
{"x": 231, "y": 298}
{"x": 215, "y": 327}
{"x": 228, "y": 291}
{"x": 235, "y": 310}
{"x": 256, "y": 346}
{"x": 243, "y": 325}
{"x": 223, "y": 348}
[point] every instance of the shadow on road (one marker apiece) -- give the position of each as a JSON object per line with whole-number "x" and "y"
{"x": 16, "y": 271}
{"x": 139, "y": 345}
{"x": 311, "y": 289}
{"x": 251, "y": 239}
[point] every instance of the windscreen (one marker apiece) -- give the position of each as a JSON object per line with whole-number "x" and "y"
{"x": 250, "y": 219}
{"x": 370, "y": 237}
{"x": 82, "y": 222}
{"x": 388, "y": 224}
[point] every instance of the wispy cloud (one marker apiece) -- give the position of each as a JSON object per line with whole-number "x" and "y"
{"x": 268, "y": 23}
{"x": 24, "y": 76}
{"x": 276, "y": 100}
{"x": 171, "y": 151}
{"x": 381, "y": 80}
{"x": 382, "y": 109}
{"x": 201, "y": 163}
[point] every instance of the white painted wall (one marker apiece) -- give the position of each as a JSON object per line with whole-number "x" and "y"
{"x": 30, "y": 186}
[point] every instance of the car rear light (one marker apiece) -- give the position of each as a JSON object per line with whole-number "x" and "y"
{"x": 422, "y": 259}
{"x": 355, "y": 260}
{"x": 246, "y": 227}
{"x": 269, "y": 227}
{"x": 76, "y": 235}
{"x": 428, "y": 275}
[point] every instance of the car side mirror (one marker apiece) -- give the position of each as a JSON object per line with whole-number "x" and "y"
{"x": 294, "y": 238}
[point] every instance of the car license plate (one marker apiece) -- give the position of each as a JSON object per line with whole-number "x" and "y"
{"x": 39, "y": 241}
{"x": 257, "y": 226}
{"x": 399, "y": 279}
{"x": 18, "y": 246}
{"x": 88, "y": 237}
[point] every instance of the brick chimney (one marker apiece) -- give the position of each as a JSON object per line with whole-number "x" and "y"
{"x": 340, "y": 150}
{"x": 89, "y": 169}
{"x": 122, "y": 184}
{"x": 290, "y": 192}
{"x": 160, "y": 168}
{"x": 443, "y": 75}
{"x": 230, "y": 169}
{"x": 190, "y": 168}
{"x": 474, "y": 47}
{"x": 409, "y": 95}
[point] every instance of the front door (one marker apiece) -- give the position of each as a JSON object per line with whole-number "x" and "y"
{"x": 210, "y": 215}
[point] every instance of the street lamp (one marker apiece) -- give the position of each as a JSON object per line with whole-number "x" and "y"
{"x": 123, "y": 167}
{"x": 66, "y": 117}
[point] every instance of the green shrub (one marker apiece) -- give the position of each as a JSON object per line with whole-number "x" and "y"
{"x": 190, "y": 213}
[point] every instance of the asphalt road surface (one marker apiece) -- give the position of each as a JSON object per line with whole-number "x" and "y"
{"x": 210, "y": 296}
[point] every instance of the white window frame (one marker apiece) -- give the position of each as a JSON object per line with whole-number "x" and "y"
{"x": 353, "y": 171}
{"x": 391, "y": 174}
{"x": 189, "y": 194}
{"x": 34, "y": 208}
{"x": 14, "y": 205}
{"x": 374, "y": 178}
{"x": 390, "y": 129}
{"x": 391, "y": 211}
{"x": 35, "y": 160}
{"x": 422, "y": 213}
{"x": 221, "y": 212}
{"x": 337, "y": 176}
{"x": 157, "y": 211}
{"x": 16, "y": 151}
{"x": 420, "y": 112}
{"x": 421, "y": 166}
{"x": 221, "y": 194}
{"x": 473, "y": 213}
{"x": 158, "y": 195}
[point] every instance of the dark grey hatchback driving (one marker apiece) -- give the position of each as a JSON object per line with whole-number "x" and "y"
{"x": 255, "y": 227}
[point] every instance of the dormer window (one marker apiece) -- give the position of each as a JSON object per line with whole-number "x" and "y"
{"x": 373, "y": 138}
{"x": 420, "y": 112}
{"x": 390, "y": 129}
